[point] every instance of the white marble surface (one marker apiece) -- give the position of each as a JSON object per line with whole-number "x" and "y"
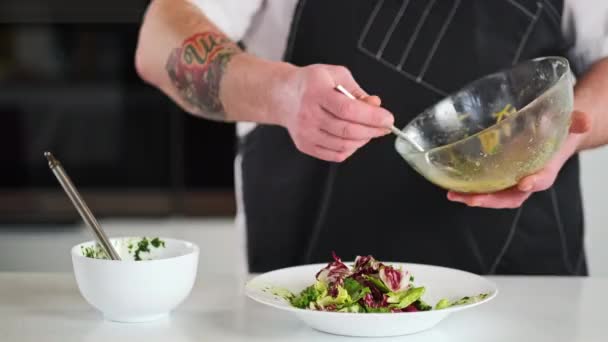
{"x": 48, "y": 307}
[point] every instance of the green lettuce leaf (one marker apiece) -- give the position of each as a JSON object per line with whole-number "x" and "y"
{"x": 377, "y": 310}
{"x": 352, "y": 308}
{"x": 342, "y": 298}
{"x": 403, "y": 299}
{"x": 305, "y": 297}
{"x": 355, "y": 290}
{"x": 442, "y": 304}
{"x": 377, "y": 282}
{"x": 422, "y": 305}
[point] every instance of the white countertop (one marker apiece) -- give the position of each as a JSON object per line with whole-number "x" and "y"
{"x": 48, "y": 307}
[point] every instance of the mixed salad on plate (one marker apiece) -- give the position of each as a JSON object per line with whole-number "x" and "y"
{"x": 369, "y": 286}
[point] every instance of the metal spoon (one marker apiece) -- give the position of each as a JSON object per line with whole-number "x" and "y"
{"x": 396, "y": 131}
{"x": 81, "y": 206}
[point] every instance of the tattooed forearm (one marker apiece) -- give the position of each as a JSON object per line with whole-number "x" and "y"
{"x": 196, "y": 70}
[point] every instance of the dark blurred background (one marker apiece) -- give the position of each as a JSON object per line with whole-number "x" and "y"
{"x": 68, "y": 85}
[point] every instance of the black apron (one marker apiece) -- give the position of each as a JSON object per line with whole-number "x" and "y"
{"x": 411, "y": 53}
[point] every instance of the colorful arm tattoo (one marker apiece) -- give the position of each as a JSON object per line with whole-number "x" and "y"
{"x": 196, "y": 70}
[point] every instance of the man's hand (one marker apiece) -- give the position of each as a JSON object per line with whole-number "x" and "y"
{"x": 185, "y": 55}
{"x": 542, "y": 180}
{"x": 323, "y": 122}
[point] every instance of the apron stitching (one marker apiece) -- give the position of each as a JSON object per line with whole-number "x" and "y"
{"x": 522, "y": 8}
{"x": 442, "y": 32}
{"x": 552, "y": 9}
{"x": 391, "y": 30}
{"x": 294, "y": 29}
{"x": 404, "y": 73}
{"x": 368, "y": 25}
{"x": 560, "y": 229}
{"x": 553, "y": 15}
{"x": 374, "y": 56}
{"x": 410, "y": 43}
{"x": 475, "y": 248}
{"x": 507, "y": 241}
{"x": 524, "y": 39}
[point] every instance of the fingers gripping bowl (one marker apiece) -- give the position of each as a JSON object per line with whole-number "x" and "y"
{"x": 153, "y": 277}
{"x": 496, "y": 130}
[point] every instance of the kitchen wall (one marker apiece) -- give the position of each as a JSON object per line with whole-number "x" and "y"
{"x": 36, "y": 248}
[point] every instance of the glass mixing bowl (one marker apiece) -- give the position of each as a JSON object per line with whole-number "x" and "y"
{"x": 496, "y": 130}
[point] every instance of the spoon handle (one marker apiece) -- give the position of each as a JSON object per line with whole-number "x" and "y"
{"x": 80, "y": 205}
{"x": 396, "y": 131}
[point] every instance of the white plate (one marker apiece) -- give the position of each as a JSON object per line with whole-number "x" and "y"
{"x": 440, "y": 282}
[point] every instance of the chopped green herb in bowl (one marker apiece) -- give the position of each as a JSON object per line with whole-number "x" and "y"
{"x": 137, "y": 249}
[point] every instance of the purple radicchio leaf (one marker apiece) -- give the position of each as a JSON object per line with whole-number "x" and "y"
{"x": 372, "y": 302}
{"x": 334, "y": 272}
{"x": 395, "y": 279}
{"x": 366, "y": 265}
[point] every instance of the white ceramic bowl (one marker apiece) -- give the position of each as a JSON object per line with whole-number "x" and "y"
{"x": 137, "y": 291}
{"x": 440, "y": 282}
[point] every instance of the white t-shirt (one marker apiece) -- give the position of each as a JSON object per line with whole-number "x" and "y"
{"x": 263, "y": 25}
